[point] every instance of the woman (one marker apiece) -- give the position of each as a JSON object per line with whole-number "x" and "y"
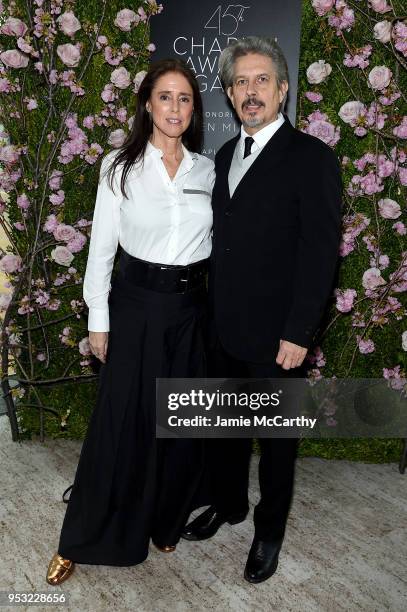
{"x": 153, "y": 200}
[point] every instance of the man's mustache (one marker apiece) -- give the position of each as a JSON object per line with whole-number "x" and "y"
{"x": 251, "y": 102}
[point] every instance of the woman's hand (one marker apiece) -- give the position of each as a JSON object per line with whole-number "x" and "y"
{"x": 98, "y": 342}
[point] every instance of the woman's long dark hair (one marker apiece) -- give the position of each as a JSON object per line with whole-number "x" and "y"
{"x": 133, "y": 149}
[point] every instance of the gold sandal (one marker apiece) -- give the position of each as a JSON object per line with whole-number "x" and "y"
{"x": 164, "y": 548}
{"x": 59, "y": 569}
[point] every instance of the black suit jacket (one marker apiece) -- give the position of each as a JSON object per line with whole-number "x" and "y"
{"x": 275, "y": 244}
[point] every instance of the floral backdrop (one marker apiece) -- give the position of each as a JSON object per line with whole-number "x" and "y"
{"x": 353, "y": 95}
{"x": 69, "y": 72}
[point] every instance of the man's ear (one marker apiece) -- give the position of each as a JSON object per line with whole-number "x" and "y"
{"x": 229, "y": 93}
{"x": 283, "y": 90}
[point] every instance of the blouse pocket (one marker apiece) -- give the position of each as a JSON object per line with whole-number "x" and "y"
{"x": 198, "y": 198}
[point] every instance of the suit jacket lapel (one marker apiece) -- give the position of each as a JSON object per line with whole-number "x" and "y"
{"x": 222, "y": 174}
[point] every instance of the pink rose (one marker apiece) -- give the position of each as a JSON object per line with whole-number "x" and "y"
{"x": 23, "y": 202}
{"x": 389, "y": 209}
{"x": 142, "y": 13}
{"x": 344, "y": 299}
{"x": 125, "y": 18}
{"x": 400, "y": 228}
{"x": 10, "y": 263}
{"x": 384, "y": 262}
{"x": 108, "y": 94}
{"x": 55, "y": 179}
{"x": 93, "y": 153}
{"x": 313, "y": 96}
{"x": 365, "y": 346}
{"x": 5, "y": 299}
{"x": 77, "y": 243}
{"x": 324, "y": 130}
{"x": 50, "y": 224}
{"x": 343, "y": 18}
{"x": 31, "y": 104}
{"x": 13, "y": 58}
{"x": 382, "y": 31}
{"x": 372, "y": 279}
{"x": 25, "y": 47}
{"x": 62, "y": 256}
{"x": 400, "y": 36}
{"x": 69, "y": 54}
{"x": 64, "y": 232}
{"x": 121, "y": 114}
{"x": 318, "y": 72}
{"x": 14, "y": 27}
{"x": 350, "y": 111}
{"x": 9, "y": 154}
{"x": 68, "y": 23}
{"x": 401, "y": 130}
{"x": 4, "y": 85}
{"x": 89, "y": 122}
{"x": 322, "y": 7}
{"x": 138, "y": 79}
{"x": 379, "y": 77}
{"x": 84, "y": 347}
{"x": 380, "y": 6}
{"x": 120, "y": 78}
{"x": 57, "y": 198}
{"x": 117, "y": 138}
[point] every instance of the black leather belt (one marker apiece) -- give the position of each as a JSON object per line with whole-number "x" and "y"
{"x": 162, "y": 277}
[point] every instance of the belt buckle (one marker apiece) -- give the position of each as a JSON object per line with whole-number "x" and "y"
{"x": 185, "y": 280}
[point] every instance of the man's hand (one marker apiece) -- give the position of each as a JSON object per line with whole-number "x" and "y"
{"x": 98, "y": 342}
{"x": 290, "y": 355}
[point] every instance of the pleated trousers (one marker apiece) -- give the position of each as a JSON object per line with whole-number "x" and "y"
{"x": 129, "y": 486}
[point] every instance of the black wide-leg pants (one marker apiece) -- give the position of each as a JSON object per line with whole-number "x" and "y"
{"x": 230, "y": 457}
{"x": 129, "y": 486}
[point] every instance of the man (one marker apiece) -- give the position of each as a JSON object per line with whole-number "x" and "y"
{"x": 277, "y": 228}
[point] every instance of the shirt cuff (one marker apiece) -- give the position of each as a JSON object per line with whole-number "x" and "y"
{"x": 98, "y": 319}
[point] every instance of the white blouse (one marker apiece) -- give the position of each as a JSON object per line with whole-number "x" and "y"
{"x": 163, "y": 221}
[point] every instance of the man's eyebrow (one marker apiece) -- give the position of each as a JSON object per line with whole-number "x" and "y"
{"x": 243, "y": 76}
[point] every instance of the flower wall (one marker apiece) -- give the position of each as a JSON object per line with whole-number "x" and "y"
{"x": 69, "y": 74}
{"x": 353, "y": 95}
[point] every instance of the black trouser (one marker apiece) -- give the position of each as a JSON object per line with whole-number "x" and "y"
{"x": 130, "y": 486}
{"x": 230, "y": 457}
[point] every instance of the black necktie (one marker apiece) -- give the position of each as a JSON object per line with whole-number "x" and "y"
{"x": 248, "y": 141}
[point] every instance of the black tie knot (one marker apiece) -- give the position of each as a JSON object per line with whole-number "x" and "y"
{"x": 248, "y": 141}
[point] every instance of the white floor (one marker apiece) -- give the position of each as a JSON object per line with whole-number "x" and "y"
{"x": 345, "y": 546}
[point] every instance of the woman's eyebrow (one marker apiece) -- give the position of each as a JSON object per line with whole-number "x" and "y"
{"x": 181, "y": 93}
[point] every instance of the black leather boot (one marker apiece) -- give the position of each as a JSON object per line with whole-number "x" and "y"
{"x": 262, "y": 560}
